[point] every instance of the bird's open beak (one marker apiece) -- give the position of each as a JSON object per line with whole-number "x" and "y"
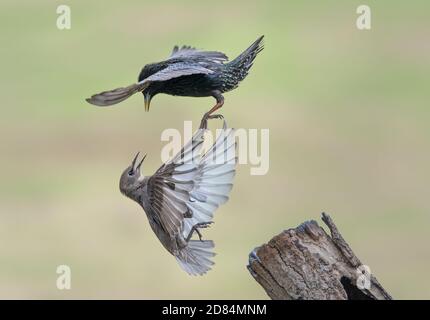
{"x": 133, "y": 163}
{"x": 140, "y": 163}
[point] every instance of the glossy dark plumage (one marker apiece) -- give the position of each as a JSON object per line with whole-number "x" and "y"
{"x": 187, "y": 72}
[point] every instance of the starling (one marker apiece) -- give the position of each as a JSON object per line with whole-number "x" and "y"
{"x": 187, "y": 72}
{"x": 182, "y": 195}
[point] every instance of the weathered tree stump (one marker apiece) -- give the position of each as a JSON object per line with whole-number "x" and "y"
{"x": 306, "y": 263}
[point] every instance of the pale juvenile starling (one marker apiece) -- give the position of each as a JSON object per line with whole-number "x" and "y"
{"x": 187, "y": 72}
{"x": 181, "y": 197}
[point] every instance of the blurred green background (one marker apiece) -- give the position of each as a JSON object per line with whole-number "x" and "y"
{"x": 348, "y": 113}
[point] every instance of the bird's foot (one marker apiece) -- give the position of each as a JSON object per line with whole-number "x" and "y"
{"x": 202, "y": 225}
{"x": 216, "y": 116}
{"x": 199, "y": 234}
{"x": 204, "y": 122}
{"x": 196, "y": 227}
{"x": 206, "y": 117}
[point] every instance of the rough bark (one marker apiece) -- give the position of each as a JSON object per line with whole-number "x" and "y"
{"x": 306, "y": 263}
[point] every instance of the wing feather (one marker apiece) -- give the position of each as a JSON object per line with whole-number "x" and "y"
{"x": 176, "y": 70}
{"x": 108, "y": 98}
{"x": 189, "y": 52}
{"x": 189, "y": 188}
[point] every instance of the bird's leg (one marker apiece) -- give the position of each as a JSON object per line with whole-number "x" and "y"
{"x": 196, "y": 227}
{"x": 208, "y": 115}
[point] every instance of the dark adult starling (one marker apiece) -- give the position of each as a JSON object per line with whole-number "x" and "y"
{"x": 187, "y": 72}
{"x": 181, "y": 197}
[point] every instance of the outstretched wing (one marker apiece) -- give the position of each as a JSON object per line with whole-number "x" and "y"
{"x": 108, "y": 98}
{"x": 176, "y": 70}
{"x": 189, "y": 188}
{"x": 189, "y": 52}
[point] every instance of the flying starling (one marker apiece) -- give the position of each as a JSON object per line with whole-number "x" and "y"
{"x": 182, "y": 195}
{"x": 187, "y": 72}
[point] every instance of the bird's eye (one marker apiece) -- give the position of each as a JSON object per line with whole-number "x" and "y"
{"x": 130, "y": 173}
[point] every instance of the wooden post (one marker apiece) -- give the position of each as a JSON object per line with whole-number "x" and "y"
{"x": 306, "y": 263}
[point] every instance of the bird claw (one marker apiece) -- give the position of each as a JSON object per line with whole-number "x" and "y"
{"x": 204, "y": 122}
{"x": 196, "y": 228}
{"x": 199, "y": 234}
{"x": 216, "y": 116}
{"x": 206, "y": 117}
{"x": 202, "y": 225}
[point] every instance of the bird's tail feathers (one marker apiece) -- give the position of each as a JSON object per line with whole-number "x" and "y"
{"x": 108, "y": 98}
{"x": 195, "y": 258}
{"x": 244, "y": 61}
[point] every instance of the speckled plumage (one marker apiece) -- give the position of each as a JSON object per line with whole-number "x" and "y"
{"x": 187, "y": 72}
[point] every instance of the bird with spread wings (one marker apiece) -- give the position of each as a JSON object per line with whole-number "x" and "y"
{"x": 187, "y": 72}
{"x": 183, "y": 194}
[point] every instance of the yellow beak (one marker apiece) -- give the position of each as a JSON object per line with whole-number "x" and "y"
{"x": 147, "y": 102}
